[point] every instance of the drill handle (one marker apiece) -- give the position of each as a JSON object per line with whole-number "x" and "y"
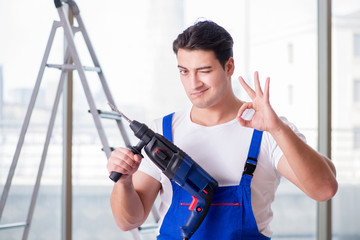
{"x": 197, "y": 215}
{"x": 115, "y": 176}
{"x": 137, "y": 149}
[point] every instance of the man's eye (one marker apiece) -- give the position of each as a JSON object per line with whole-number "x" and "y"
{"x": 183, "y": 72}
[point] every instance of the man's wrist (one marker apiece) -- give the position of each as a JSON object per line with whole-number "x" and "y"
{"x": 125, "y": 181}
{"x": 278, "y": 129}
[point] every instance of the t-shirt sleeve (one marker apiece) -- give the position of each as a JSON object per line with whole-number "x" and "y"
{"x": 277, "y": 152}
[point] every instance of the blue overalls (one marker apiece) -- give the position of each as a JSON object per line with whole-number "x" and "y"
{"x": 230, "y": 216}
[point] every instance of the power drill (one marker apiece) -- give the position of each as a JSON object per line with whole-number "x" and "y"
{"x": 178, "y": 167}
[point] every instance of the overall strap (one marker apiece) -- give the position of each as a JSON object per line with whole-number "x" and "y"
{"x": 253, "y": 154}
{"x": 167, "y": 129}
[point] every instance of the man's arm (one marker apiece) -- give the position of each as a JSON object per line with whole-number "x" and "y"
{"x": 134, "y": 194}
{"x": 312, "y": 172}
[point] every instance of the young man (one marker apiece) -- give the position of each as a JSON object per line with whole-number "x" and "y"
{"x": 216, "y": 132}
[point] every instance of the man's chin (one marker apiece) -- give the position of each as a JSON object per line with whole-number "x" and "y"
{"x": 200, "y": 105}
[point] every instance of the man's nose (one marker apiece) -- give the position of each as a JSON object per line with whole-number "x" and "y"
{"x": 195, "y": 81}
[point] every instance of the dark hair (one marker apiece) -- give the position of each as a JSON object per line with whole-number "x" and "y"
{"x": 206, "y": 35}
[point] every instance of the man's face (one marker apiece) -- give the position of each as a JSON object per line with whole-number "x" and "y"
{"x": 205, "y": 81}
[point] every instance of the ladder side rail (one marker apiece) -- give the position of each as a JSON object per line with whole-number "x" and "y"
{"x": 45, "y": 150}
{"x": 27, "y": 118}
{"x": 136, "y": 234}
{"x": 123, "y": 133}
{"x": 93, "y": 110}
{"x": 101, "y": 75}
{"x": 75, "y": 56}
{"x": 155, "y": 213}
{"x": 76, "y": 13}
{"x": 93, "y": 56}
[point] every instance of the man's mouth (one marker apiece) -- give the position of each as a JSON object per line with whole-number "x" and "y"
{"x": 198, "y": 93}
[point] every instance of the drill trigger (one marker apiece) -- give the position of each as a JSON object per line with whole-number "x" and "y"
{"x": 193, "y": 203}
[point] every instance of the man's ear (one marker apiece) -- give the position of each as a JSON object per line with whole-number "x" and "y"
{"x": 230, "y": 66}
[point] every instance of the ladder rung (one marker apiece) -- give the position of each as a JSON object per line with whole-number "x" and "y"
{"x": 146, "y": 228}
{"x": 108, "y": 115}
{"x": 71, "y": 67}
{"x": 92, "y": 69}
{"x": 12, "y": 225}
{"x": 76, "y": 29}
{"x": 111, "y": 148}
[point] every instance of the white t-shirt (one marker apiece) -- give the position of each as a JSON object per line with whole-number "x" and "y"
{"x": 222, "y": 150}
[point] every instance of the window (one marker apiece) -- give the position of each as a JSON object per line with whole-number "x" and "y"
{"x": 291, "y": 94}
{"x": 1, "y": 93}
{"x": 356, "y": 138}
{"x": 357, "y": 91}
{"x": 345, "y": 120}
{"x": 357, "y": 45}
{"x": 274, "y": 35}
{"x": 291, "y": 52}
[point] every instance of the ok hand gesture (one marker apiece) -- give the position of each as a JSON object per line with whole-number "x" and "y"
{"x": 265, "y": 118}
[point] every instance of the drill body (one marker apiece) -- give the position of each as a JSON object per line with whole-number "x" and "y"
{"x": 181, "y": 169}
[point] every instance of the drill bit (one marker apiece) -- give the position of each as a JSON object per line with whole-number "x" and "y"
{"x": 117, "y": 110}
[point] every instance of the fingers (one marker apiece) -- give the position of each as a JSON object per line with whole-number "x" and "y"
{"x": 258, "y": 90}
{"x": 267, "y": 89}
{"x": 242, "y": 121}
{"x": 247, "y": 88}
{"x": 122, "y": 160}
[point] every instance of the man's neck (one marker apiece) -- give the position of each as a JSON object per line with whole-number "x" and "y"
{"x": 216, "y": 115}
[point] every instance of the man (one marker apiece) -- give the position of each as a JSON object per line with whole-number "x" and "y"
{"x": 216, "y": 132}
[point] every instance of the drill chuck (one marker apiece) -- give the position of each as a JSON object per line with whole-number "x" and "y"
{"x": 141, "y": 131}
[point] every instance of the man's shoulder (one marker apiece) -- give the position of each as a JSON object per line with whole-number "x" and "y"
{"x": 178, "y": 117}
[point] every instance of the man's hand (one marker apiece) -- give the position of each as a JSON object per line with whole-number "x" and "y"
{"x": 134, "y": 194}
{"x": 312, "y": 172}
{"x": 265, "y": 118}
{"x": 123, "y": 161}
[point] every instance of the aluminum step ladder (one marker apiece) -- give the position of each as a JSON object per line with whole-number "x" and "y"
{"x": 71, "y": 62}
